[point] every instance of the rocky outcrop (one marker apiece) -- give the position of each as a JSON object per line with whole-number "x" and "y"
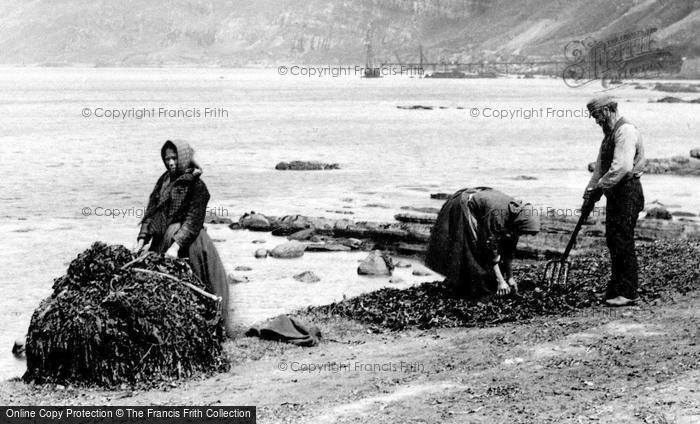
{"x": 670, "y": 99}
{"x": 677, "y": 165}
{"x": 298, "y": 165}
{"x": 411, "y": 238}
{"x": 677, "y": 88}
{"x": 255, "y": 222}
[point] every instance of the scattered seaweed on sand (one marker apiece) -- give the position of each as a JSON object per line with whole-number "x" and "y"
{"x": 664, "y": 268}
{"x": 108, "y": 325}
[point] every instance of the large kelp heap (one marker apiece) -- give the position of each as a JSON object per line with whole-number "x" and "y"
{"x": 664, "y": 268}
{"x": 117, "y": 319}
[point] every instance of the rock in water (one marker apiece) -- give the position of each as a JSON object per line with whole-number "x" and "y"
{"x": 658, "y": 213}
{"x": 298, "y": 165}
{"x": 375, "y": 264}
{"x": 255, "y": 222}
{"x": 261, "y": 253}
{"x": 292, "y": 249}
{"x": 108, "y": 326}
{"x": 670, "y": 99}
{"x": 307, "y": 277}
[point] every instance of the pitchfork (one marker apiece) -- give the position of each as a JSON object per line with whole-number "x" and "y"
{"x": 557, "y": 271}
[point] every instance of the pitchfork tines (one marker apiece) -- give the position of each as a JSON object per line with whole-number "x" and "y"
{"x": 557, "y": 272}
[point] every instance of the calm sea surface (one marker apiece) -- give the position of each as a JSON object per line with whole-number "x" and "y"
{"x": 58, "y": 162}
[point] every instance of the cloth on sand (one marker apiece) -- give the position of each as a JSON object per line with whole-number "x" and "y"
{"x": 289, "y": 330}
{"x": 474, "y": 231}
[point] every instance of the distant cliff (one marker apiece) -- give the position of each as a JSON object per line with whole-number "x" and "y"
{"x": 268, "y": 32}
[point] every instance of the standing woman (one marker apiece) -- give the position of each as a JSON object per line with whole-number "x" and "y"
{"x": 174, "y": 220}
{"x": 474, "y": 239}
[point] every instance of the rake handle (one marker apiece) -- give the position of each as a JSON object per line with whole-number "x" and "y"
{"x": 586, "y": 210}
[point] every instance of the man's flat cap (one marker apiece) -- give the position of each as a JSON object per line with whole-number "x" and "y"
{"x": 599, "y": 102}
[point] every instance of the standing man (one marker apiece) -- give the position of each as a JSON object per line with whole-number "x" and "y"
{"x": 617, "y": 171}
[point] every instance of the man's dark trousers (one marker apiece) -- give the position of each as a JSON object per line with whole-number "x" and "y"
{"x": 624, "y": 202}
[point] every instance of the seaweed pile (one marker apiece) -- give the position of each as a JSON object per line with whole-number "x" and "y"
{"x": 108, "y": 323}
{"x": 664, "y": 268}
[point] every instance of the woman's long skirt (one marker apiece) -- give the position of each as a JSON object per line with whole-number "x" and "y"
{"x": 205, "y": 263}
{"x": 455, "y": 252}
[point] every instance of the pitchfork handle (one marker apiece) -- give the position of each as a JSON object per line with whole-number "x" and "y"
{"x": 586, "y": 210}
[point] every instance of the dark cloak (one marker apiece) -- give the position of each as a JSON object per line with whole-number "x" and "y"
{"x": 473, "y": 231}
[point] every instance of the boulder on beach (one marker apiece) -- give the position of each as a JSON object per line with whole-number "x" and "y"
{"x": 289, "y": 250}
{"x": 116, "y": 319}
{"x": 658, "y": 213}
{"x": 255, "y": 222}
{"x": 307, "y": 277}
{"x": 376, "y": 263}
{"x": 299, "y": 165}
{"x": 261, "y": 253}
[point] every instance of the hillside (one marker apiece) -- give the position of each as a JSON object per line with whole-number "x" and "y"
{"x": 266, "y": 32}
